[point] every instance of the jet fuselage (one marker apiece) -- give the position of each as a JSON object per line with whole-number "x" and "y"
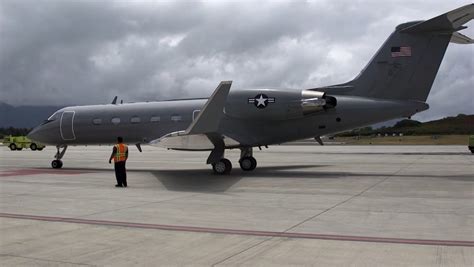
{"x": 141, "y": 123}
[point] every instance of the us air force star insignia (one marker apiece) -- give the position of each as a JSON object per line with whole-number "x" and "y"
{"x": 261, "y": 100}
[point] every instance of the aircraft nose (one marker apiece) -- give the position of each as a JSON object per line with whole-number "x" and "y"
{"x": 33, "y": 135}
{"x": 45, "y": 134}
{"x": 40, "y": 135}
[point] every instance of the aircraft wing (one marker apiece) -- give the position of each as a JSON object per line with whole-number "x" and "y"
{"x": 210, "y": 116}
{"x": 202, "y": 133}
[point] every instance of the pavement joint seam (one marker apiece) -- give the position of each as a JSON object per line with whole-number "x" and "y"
{"x": 70, "y": 198}
{"x": 46, "y": 260}
{"x": 133, "y": 206}
{"x": 242, "y": 251}
{"x": 406, "y": 212}
{"x": 349, "y": 199}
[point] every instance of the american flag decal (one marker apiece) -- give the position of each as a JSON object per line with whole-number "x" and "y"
{"x": 401, "y": 51}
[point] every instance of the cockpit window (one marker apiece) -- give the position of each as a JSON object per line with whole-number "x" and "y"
{"x": 53, "y": 117}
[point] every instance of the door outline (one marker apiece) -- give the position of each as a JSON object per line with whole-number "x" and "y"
{"x": 72, "y": 125}
{"x": 196, "y": 114}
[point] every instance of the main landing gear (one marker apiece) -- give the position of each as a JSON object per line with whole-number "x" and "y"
{"x": 247, "y": 161}
{"x": 224, "y": 166}
{"x": 57, "y": 163}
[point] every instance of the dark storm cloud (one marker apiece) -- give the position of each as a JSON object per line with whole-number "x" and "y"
{"x": 84, "y": 52}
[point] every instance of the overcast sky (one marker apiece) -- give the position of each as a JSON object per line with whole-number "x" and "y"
{"x": 86, "y": 52}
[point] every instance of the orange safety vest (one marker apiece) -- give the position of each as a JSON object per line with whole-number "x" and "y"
{"x": 121, "y": 154}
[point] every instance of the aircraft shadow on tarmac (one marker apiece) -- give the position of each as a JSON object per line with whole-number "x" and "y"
{"x": 202, "y": 180}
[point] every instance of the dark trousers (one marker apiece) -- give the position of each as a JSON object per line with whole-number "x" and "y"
{"x": 120, "y": 173}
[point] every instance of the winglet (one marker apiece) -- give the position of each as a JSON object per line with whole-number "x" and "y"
{"x": 211, "y": 114}
{"x": 449, "y": 22}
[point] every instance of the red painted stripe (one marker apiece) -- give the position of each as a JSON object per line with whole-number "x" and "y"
{"x": 431, "y": 242}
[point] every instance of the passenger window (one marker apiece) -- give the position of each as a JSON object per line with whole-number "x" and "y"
{"x": 154, "y": 119}
{"x": 97, "y": 121}
{"x": 115, "y": 121}
{"x": 175, "y": 118}
{"x": 135, "y": 119}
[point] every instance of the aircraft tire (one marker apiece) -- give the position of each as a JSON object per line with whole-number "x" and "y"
{"x": 56, "y": 164}
{"x": 12, "y": 146}
{"x": 33, "y": 146}
{"x": 248, "y": 163}
{"x": 223, "y": 166}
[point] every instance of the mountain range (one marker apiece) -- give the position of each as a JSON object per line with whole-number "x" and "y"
{"x": 24, "y": 116}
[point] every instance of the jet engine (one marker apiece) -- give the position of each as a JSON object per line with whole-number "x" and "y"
{"x": 277, "y": 104}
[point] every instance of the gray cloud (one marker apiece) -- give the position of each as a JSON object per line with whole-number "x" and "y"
{"x": 85, "y": 52}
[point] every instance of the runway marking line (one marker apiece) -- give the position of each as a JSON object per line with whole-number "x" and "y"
{"x": 22, "y": 172}
{"x": 430, "y": 242}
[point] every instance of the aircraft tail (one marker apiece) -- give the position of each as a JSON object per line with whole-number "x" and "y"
{"x": 406, "y": 65}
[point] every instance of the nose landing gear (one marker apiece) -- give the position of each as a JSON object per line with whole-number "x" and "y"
{"x": 57, "y": 163}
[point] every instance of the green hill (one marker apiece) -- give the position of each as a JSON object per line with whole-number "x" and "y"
{"x": 460, "y": 125}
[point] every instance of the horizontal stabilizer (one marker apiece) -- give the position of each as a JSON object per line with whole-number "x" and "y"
{"x": 447, "y": 22}
{"x": 461, "y": 39}
{"x": 212, "y": 112}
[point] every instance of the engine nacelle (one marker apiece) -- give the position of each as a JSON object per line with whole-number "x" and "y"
{"x": 276, "y": 104}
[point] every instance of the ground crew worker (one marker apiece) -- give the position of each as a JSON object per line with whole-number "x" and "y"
{"x": 120, "y": 155}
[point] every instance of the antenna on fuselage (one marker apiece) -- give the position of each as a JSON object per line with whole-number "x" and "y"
{"x": 114, "y": 101}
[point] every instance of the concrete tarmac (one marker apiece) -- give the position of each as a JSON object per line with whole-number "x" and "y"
{"x": 303, "y": 205}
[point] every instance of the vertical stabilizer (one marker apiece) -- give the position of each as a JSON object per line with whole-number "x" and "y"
{"x": 407, "y": 63}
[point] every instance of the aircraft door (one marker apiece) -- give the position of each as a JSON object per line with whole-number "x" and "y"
{"x": 195, "y": 114}
{"x": 67, "y": 125}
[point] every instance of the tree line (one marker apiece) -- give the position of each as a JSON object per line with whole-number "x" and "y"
{"x": 13, "y": 131}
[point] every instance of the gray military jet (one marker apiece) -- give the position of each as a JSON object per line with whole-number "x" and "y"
{"x": 394, "y": 84}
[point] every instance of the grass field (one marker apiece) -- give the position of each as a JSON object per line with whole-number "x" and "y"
{"x": 405, "y": 140}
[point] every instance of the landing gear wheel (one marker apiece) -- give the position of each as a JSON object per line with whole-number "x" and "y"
{"x": 57, "y": 164}
{"x": 12, "y": 146}
{"x": 33, "y": 146}
{"x": 248, "y": 163}
{"x": 223, "y": 166}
